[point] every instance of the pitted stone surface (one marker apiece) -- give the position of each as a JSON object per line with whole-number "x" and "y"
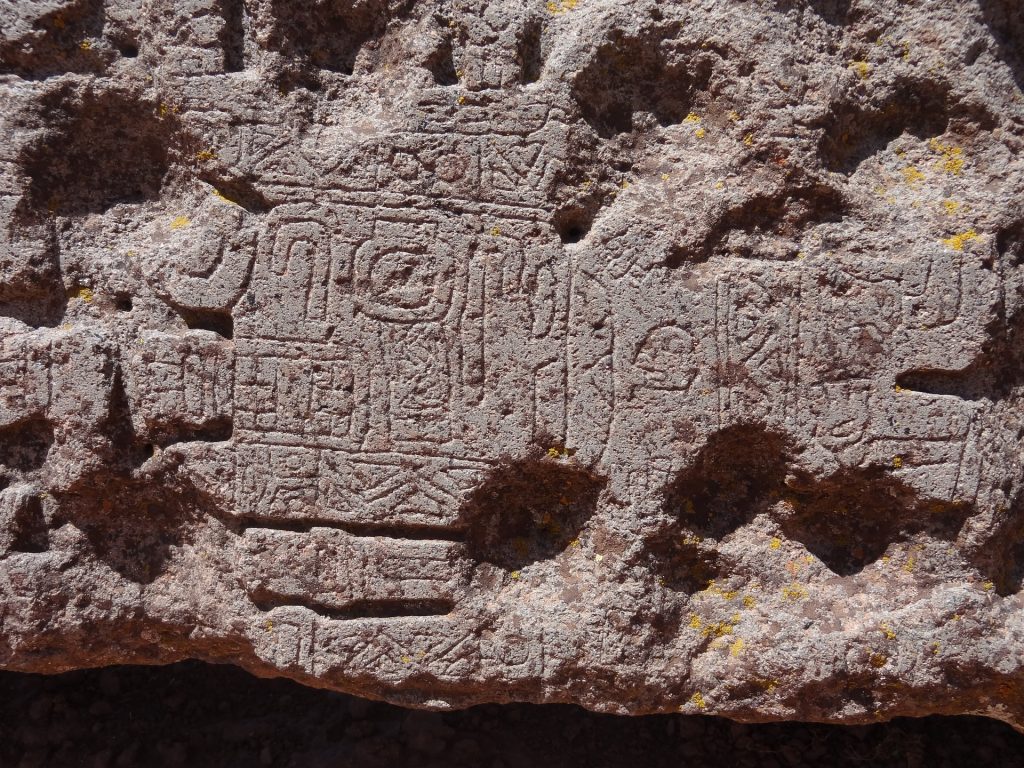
{"x": 652, "y": 356}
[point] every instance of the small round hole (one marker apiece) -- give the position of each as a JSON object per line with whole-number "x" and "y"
{"x": 123, "y": 303}
{"x": 128, "y": 50}
{"x": 572, "y": 235}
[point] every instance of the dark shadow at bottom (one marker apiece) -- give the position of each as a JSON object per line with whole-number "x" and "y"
{"x": 206, "y": 715}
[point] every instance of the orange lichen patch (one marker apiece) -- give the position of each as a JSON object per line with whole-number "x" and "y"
{"x": 957, "y": 242}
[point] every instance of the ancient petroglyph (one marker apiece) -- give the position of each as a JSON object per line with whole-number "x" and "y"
{"x": 649, "y": 356}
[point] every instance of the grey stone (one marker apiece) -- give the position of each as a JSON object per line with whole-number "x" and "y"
{"x": 646, "y": 356}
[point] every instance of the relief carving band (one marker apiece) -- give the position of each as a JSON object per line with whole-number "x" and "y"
{"x": 649, "y": 356}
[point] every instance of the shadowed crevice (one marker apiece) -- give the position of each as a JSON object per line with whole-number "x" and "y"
{"x": 627, "y": 75}
{"x": 733, "y": 477}
{"x": 856, "y": 131}
{"x": 102, "y": 148}
{"x": 848, "y": 519}
{"x": 528, "y": 510}
{"x": 1006, "y": 21}
{"x": 25, "y": 445}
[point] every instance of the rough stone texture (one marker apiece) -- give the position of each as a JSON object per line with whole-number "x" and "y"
{"x": 648, "y": 356}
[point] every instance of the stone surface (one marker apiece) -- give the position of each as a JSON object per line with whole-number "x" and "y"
{"x": 647, "y": 356}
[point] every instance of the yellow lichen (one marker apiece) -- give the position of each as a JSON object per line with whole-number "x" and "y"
{"x": 748, "y": 140}
{"x": 957, "y": 242}
{"x": 698, "y": 700}
{"x": 693, "y": 117}
{"x": 897, "y": 462}
{"x": 862, "y": 68}
{"x": 557, "y": 7}
{"x": 877, "y": 660}
{"x": 909, "y": 565}
{"x": 749, "y": 601}
{"x": 887, "y": 631}
{"x": 700, "y": 133}
{"x": 988, "y": 586}
{"x": 406, "y": 659}
{"x": 180, "y": 222}
{"x": 83, "y": 293}
{"x": 85, "y": 45}
{"x": 952, "y": 161}
{"x": 775, "y": 543}
{"x": 911, "y": 175}
{"x": 695, "y": 622}
{"x": 736, "y": 648}
{"x": 664, "y": 177}
{"x": 461, "y": 100}
{"x": 794, "y": 591}
{"x": 495, "y": 231}
{"x": 515, "y": 575}
{"x": 734, "y": 116}
{"x": 206, "y": 154}
{"x": 951, "y": 207}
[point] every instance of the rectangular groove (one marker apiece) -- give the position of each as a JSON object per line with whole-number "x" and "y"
{"x": 357, "y": 609}
{"x": 410, "y": 531}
